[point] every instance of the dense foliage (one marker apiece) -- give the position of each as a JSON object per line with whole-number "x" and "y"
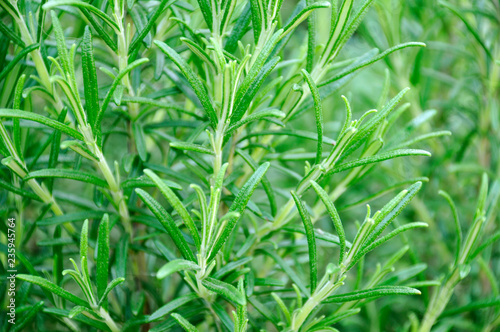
{"x": 260, "y": 165}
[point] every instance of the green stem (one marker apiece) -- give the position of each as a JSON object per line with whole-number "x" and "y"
{"x": 116, "y": 192}
{"x": 439, "y": 301}
{"x": 300, "y": 315}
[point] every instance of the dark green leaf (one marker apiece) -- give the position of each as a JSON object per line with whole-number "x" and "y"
{"x": 67, "y": 174}
{"x": 175, "y": 266}
{"x": 177, "y": 205}
{"x": 226, "y": 290}
{"x": 10, "y": 113}
{"x": 89, "y": 78}
{"x": 193, "y": 80}
{"x": 166, "y": 220}
{"x": 311, "y": 240}
{"x": 372, "y": 293}
{"x": 53, "y": 289}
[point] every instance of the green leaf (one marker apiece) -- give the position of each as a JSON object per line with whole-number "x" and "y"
{"x": 175, "y": 266}
{"x": 84, "y": 248}
{"x": 369, "y": 126}
{"x": 332, "y": 211}
{"x": 289, "y": 271}
{"x": 83, "y": 5}
{"x": 385, "y": 216}
{"x": 56, "y": 242}
{"x": 312, "y": 31}
{"x": 193, "y": 80}
{"x": 118, "y": 94}
{"x": 62, "y": 49}
{"x": 229, "y": 267}
{"x": 18, "y": 191}
{"x": 111, "y": 91}
{"x": 258, "y": 72}
{"x": 241, "y": 314}
{"x": 259, "y": 115}
{"x": 239, "y": 204}
{"x": 372, "y": 293}
{"x": 473, "y": 306}
{"x": 319, "y": 234}
{"x": 18, "y": 114}
{"x": 352, "y": 69}
{"x": 458, "y": 228}
{"x": 140, "y": 140}
{"x": 318, "y": 111}
{"x": 84, "y": 241}
{"x": 239, "y": 29}
{"x": 67, "y": 174}
{"x": 487, "y": 242}
{"x": 100, "y": 30}
{"x": 257, "y": 19}
{"x": 248, "y": 90}
{"x": 265, "y": 181}
{"x": 336, "y": 30}
{"x": 75, "y": 311}
{"x": 79, "y": 318}
{"x": 338, "y": 316}
{"x": 353, "y": 25}
{"x": 475, "y": 229}
{"x": 282, "y": 307}
{"x": 89, "y": 78}
{"x": 186, "y": 325}
{"x": 302, "y": 134}
{"x": 264, "y": 311}
{"x": 159, "y": 9}
{"x": 55, "y": 149}
{"x": 191, "y": 147}
{"x": 168, "y": 223}
{"x": 177, "y": 205}
{"x": 300, "y": 17}
{"x": 102, "y": 256}
{"x": 144, "y": 182}
{"x": 225, "y": 290}
{"x": 109, "y": 288}
{"x": 378, "y": 158}
{"x": 206, "y": 10}
{"x": 27, "y": 317}
{"x": 471, "y": 29}
{"x": 423, "y": 138}
{"x": 222, "y": 315}
{"x": 75, "y": 216}
{"x": 79, "y": 148}
{"x": 16, "y": 127}
{"x": 139, "y": 16}
{"x": 7, "y": 32}
{"x": 58, "y": 264}
{"x": 53, "y": 288}
{"x": 172, "y": 305}
{"x": 483, "y": 194}
{"x": 122, "y": 255}
{"x": 199, "y": 52}
{"x": 311, "y": 240}
{"x": 389, "y": 236}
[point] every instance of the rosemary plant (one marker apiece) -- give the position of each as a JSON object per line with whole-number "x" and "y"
{"x": 203, "y": 166}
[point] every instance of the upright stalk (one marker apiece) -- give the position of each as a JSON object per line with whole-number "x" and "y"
{"x": 439, "y": 301}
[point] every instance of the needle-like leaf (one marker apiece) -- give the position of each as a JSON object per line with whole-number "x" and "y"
{"x": 166, "y": 220}
{"x": 311, "y": 240}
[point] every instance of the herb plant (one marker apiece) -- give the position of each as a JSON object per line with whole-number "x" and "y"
{"x": 243, "y": 166}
